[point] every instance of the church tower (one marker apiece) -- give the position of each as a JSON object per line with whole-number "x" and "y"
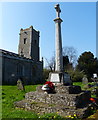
{"x": 29, "y": 43}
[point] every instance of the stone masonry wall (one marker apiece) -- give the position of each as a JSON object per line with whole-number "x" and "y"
{"x": 60, "y": 102}
{"x": 15, "y": 67}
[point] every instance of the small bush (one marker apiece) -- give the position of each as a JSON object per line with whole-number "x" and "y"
{"x": 76, "y": 75}
{"x": 46, "y": 73}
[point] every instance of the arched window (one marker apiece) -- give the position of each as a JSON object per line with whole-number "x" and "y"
{"x": 20, "y": 70}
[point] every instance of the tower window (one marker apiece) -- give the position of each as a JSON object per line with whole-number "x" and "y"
{"x": 25, "y": 40}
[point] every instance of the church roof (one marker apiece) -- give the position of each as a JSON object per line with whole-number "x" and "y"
{"x": 8, "y": 54}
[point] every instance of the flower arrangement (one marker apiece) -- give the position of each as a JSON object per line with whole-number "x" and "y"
{"x": 50, "y": 84}
{"x": 49, "y": 87}
{"x": 92, "y": 100}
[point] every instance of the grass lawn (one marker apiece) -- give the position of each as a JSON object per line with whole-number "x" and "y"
{"x": 10, "y": 94}
{"x": 84, "y": 87}
{"x": 78, "y": 83}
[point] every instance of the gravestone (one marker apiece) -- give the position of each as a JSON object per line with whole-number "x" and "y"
{"x": 84, "y": 80}
{"x": 59, "y": 77}
{"x": 20, "y": 85}
{"x": 55, "y": 77}
{"x": 67, "y": 79}
{"x": 94, "y": 75}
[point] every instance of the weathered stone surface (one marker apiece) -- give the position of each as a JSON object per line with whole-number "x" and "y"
{"x": 75, "y": 100}
{"x": 58, "y": 39}
{"x": 68, "y": 89}
{"x": 26, "y": 63}
{"x": 20, "y": 104}
{"x": 59, "y": 76}
{"x": 61, "y": 102}
{"x": 74, "y": 89}
{"x": 20, "y": 84}
{"x": 29, "y": 43}
{"x": 43, "y": 108}
{"x": 51, "y": 98}
{"x": 39, "y": 89}
{"x": 85, "y": 80}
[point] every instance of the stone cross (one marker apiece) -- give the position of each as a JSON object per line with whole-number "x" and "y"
{"x": 58, "y": 10}
{"x": 59, "y": 77}
{"x": 58, "y": 41}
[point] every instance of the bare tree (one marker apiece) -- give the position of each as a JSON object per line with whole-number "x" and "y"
{"x": 51, "y": 63}
{"x": 71, "y": 52}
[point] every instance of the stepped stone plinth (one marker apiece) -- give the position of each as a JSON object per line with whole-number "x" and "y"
{"x": 61, "y": 102}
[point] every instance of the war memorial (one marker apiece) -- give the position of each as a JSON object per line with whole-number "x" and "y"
{"x": 66, "y": 99}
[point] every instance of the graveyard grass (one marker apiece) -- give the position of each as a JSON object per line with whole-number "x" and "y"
{"x": 10, "y": 94}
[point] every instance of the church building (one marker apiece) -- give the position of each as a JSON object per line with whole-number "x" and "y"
{"x": 26, "y": 64}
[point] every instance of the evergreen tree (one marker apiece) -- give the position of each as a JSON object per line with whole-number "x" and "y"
{"x": 88, "y": 64}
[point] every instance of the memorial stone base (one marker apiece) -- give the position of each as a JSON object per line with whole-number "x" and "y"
{"x": 64, "y": 101}
{"x": 60, "y": 78}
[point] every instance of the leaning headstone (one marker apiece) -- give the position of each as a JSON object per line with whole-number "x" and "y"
{"x": 20, "y": 84}
{"x": 84, "y": 80}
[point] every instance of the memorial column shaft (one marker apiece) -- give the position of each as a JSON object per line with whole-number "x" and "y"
{"x": 58, "y": 47}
